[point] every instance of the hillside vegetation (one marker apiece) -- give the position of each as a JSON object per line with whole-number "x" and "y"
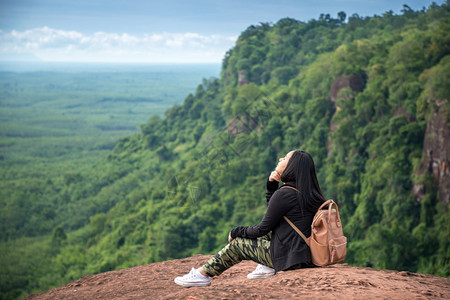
{"x": 367, "y": 97}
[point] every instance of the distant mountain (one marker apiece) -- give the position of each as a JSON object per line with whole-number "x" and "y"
{"x": 19, "y": 57}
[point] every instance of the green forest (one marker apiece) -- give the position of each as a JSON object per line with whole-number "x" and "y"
{"x": 366, "y": 96}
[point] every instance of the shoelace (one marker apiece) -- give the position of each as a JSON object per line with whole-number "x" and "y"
{"x": 191, "y": 274}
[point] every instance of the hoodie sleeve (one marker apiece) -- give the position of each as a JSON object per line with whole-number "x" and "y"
{"x": 271, "y": 187}
{"x": 281, "y": 202}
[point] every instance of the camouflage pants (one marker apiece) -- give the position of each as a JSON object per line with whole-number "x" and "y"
{"x": 238, "y": 250}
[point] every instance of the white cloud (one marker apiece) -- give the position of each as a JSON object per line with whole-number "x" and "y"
{"x": 59, "y": 45}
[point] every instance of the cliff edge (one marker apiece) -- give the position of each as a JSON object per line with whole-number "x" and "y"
{"x": 155, "y": 281}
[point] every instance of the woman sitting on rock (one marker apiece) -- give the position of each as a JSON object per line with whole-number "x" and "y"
{"x": 273, "y": 243}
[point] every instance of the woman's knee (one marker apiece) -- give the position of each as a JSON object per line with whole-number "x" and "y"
{"x": 237, "y": 241}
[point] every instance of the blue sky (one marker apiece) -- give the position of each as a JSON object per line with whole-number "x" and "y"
{"x": 153, "y": 31}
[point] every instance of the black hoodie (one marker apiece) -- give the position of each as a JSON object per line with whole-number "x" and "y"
{"x": 287, "y": 247}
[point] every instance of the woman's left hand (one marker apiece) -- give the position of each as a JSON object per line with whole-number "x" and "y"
{"x": 275, "y": 176}
{"x": 229, "y": 237}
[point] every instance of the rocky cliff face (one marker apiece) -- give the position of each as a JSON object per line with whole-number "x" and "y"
{"x": 242, "y": 78}
{"x": 356, "y": 84}
{"x": 436, "y": 147}
{"x": 242, "y": 124}
{"x": 436, "y": 140}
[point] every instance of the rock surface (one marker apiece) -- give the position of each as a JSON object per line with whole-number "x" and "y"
{"x": 354, "y": 82}
{"x": 436, "y": 146}
{"x": 155, "y": 281}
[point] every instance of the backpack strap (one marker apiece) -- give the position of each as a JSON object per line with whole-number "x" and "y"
{"x": 330, "y": 202}
{"x": 290, "y": 222}
{"x": 290, "y": 187}
{"x": 296, "y": 229}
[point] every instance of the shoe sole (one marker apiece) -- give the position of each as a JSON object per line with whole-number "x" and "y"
{"x": 188, "y": 284}
{"x": 259, "y": 276}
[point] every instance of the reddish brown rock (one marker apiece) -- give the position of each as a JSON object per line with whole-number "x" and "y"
{"x": 155, "y": 281}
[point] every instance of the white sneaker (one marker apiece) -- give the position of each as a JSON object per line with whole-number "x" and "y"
{"x": 261, "y": 271}
{"x": 193, "y": 278}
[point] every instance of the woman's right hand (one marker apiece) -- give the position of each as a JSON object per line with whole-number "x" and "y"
{"x": 229, "y": 237}
{"x": 275, "y": 176}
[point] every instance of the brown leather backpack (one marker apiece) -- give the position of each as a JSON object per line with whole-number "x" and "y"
{"x": 327, "y": 241}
